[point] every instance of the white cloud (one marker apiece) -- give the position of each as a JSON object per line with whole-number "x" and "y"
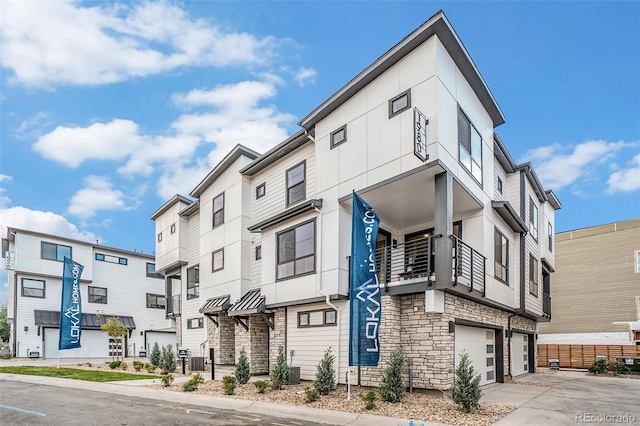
{"x": 98, "y": 194}
{"x": 626, "y": 180}
{"x": 39, "y": 221}
{"x": 73, "y": 145}
{"x": 64, "y": 42}
{"x": 31, "y": 127}
{"x": 305, "y": 76}
{"x": 558, "y": 166}
{"x": 4, "y": 200}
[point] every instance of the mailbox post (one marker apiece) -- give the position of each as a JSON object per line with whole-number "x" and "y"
{"x": 183, "y": 353}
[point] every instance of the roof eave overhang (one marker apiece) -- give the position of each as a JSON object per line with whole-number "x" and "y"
{"x": 232, "y": 156}
{"x": 292, "y": 212}
{"x": 166, "y": 206}
{"x": 509, "y": 215}
{"x": 279, "y": 151}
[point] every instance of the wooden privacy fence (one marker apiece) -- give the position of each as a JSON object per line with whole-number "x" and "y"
{"x": 582, "y": 356}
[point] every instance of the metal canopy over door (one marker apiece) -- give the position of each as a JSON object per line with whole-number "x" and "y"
{"x": 95, "y": 344}
{"x": 519, "y": 354}
{"x": 479, "y": 344}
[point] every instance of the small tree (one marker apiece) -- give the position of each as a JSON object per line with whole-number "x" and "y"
{"x": 116, "y": 330}
{"x": 280, "y": 371}
{"x": 392, "y": 388}
{"x": 325, "y": 374}
{"x": 466, "y": 385}
{"x": 154, "y": 356}
{"x": 243, "y": 370}
{"x": 168, "y": 359}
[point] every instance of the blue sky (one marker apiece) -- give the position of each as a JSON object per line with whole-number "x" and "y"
{"x": 110, "y": 108}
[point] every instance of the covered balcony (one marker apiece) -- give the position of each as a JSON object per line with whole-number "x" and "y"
{"x": 173, "y": 306}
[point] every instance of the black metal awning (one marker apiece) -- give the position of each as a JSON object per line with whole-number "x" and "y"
{"x": 216, "y": 305}
{"x": 250, "y": 303}
{"x": 89, "y": 321}
{"x": 509, "y": 215}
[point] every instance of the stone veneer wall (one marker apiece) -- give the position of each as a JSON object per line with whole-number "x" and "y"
{"x": 278, "y": 335}
{"x": 178, "y": 331}
{"x": 222, "y": 339}
{"x": 255, "y": 343}
{"x": 426, "y": 339}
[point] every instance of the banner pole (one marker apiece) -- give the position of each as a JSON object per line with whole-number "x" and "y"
{"x": 349, "y": 384}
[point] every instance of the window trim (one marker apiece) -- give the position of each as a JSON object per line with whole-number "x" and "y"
{"x": 534, "y": 229}
{"x": 43, "y": 243}
{"x": 213, "y": 218}
{"x": 406, "y": 93}
{"x": 44, "y": 288}
{"x": 533, "y": 276}
{"x": 93, "y": 296}
{"x": 324, "y": 318}
{"x": 262, "y": 186}
{"x": 157, "y": 306}
{"x": 199, "y": 325}
{"x": 332, "y": 142}
{"x": 196, "y": 284}
{"x": 550, "y": 236}
{"x": 152, "y": 274}
{"x": 213, "y": 262}
{"x": 505, "y": 262}
{"x": 315, "y": 240}
{"x": 471, "y": 127}
{"x": 303, "y": 183}
{"x": 258, "y": 252}
{"x": 102, "y": 257}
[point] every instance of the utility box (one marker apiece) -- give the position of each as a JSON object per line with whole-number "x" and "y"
{"x": 196, "y": 363}
{"x": 294, "y": 377}
{"x": 632, "y": 363}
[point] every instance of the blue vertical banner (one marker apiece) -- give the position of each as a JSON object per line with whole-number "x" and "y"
{"x": 364, "y": 293}
{"x": 71, "y": 309}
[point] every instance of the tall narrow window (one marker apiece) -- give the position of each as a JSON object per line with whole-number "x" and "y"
{"x": 193, "y": 282}
{"x": 261, "y": 190}
{"x": 501, "y": 256}
{"x": 533, "y": 218}
{"x": 296, "y": 183}
{"x": 296, "y": 251}
{"x": 470, "y": 146}
{"x": 533, "y": 275}
{"x": 218, "y": 210}
{"x": 550, "y": 232}
{"x": 218, "y": 260}
{"x": 258, "y": 252}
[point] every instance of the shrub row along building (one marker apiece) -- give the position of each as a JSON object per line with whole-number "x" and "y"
{"x": 258, "y": 256}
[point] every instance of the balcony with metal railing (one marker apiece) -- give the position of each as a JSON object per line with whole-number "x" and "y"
{"x": 546, "y": 305}
{"x": 173, "y": 306}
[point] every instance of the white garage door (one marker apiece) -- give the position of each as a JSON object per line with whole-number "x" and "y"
{"x": 519, "y": 353}
{"x": 479, "y": 344}
{"x": 94, "y": 344}
{"x": 163, "y": 339}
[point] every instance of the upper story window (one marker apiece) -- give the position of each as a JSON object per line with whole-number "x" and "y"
{"x": 400, "y": 103}
{"x": 111, "y": 259}
{"x": 296, "y": 251}
{"x": 638, "y": 261}
{"x": 173, "y": 228}
{"x": 33, "y": 288}
{"x": 533, "y": 218}
{"x": 470, "y": 146}
{"x": 217, "y": 260}
{"x": 500, "y": 185}
{"x": 550, "y": 236}
{"x": 156, "y": 301}
{"x": 501, "y": 256}
{"x": 218, "y": 210}
{"x": 160, "y": 237}
{"x": 261, "y": 190}
{"x": 258, "y": 252}
{"x": 195, "y": 323}
{"x": 193, "y": 282}
{"x": 296, "y": 183}
{"x": 97, "y": 295}
{"x": 533, "y": 275}
{"x": 151, "y": 271}
{"x": 339, "y": 136}
{"x": 326, "y": 317}
{"x": 52, "y": 251}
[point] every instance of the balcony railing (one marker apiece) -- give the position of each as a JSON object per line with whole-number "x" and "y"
{"x": 546, "y": 304}
{"x": 469, "y": 266}
{"x": 173, "y": 306}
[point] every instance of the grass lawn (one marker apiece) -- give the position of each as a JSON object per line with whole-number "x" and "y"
{"x": 76, "y": 374}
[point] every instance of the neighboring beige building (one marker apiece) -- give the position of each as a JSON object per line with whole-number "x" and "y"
{"x": 596, "y": 290}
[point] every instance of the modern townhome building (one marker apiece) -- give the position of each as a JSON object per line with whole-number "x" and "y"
{"x": 258, "y": 258}
{"x": 114, "y": 282}
{"x": 602, "y": 264}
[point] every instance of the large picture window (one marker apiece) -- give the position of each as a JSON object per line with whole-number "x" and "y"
{"x": 218, "y": 210}
{"x": 470, "y": 146}
{"x": 53, "y": 251}
{"x": 156, "y": 301}
{"x": 296, "y": 183}
{"x": 193, "y": 282}
{"x": 97, "y": 295}
{"x": 533, "y": 275}
{"x": 501, "y": 256}
{"x": 33, "y": 288}
{"x": 296, "y": 251}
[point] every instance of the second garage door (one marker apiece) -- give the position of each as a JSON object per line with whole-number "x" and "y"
{"x": 519, "y": 353}
{"x": 479, "y": 344}
{"x": 94, "y": 344}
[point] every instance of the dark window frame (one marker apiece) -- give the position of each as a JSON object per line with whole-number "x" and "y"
{"x": 303, "y": 183}
{"x": 173, "y": 228}
{"x": 534, "y": 283}
{"x": 534, "y": 219}
{"x": 109, "y": 258}
{"x": 392, "y": 101}
{"x": 213, "y": 260}
{"x": 550, "y": 237}
{"x": 324, "y": 318}
{"x": 94, "y": 298}
{"x": 220, "y": 221}
{"x": 157, "y": 297}
{"x": 152, "y": 274}
{"x": 199, "y": 325}
{"x": 258, "y": 252}
{"x": 44, "y": 288}
{"x": 333, "y": 134}
{"x": 465, "y": 143}
{"x": 295, "y": 258}
{"x": 194, "y": 285}
{"x": 261, "y": 190}
{"x": 57, "y": 247}
{"x": 500, "y": 185}
{"x": 160, "y": 237}
{"x": 502, "y": 264}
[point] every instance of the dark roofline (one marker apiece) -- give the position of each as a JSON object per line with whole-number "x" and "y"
{"x": 527, "y": 168}
{"x": 166, "y": 206}
{"x": 279, "y": 151}
{"x": 236, "y": 152}
{"x": 190, "y": 209}
{"x": 437, "y": 25}
{"x": 502, "y": 154}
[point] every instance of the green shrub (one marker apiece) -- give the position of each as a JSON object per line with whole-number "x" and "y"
{"x": 369, "y": 399}
{"x": 261, "y": 385}
{"x": 167, "y": 379}
{"x": 466, "y": 385}
{"x": 243, "y": 370}
{"x": 311, "y": 394}
{"x": 114, "y": 364}
{"x": 154, "y": 357}
{"x": 325, "y": 374}
{"x": 392, "y": 387}
{"x": 124, "y": 366}
{"x": 193, "y": 383}
{"x": 168, "y": 359}
{"x": 229, "y": 384}
{"x": 137, "y": 365}
{"x": 280, "y": 371}
{"x": 150, "y": 368}
{"x": 617, "y": 367}
{"x": 599, "y": 366}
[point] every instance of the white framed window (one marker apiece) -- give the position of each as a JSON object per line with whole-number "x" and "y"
{"x": 217, "y": 260}
{"x": 52, "y": 251}
{"x": 400, "y": 103}
{"x": 218, "y": 210}
{"x": 339, "y": 136}
{"x": 296, "y": 183}
{"x": 533, "y": 219}
{"x": 97, "y": 295}
{"x": 33, "y": 288}
{"x": 470, "y": 146}
{"x": 501, "y": 256}
{"x": 193, "y": 282}
{"x": 296, "y": 251}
